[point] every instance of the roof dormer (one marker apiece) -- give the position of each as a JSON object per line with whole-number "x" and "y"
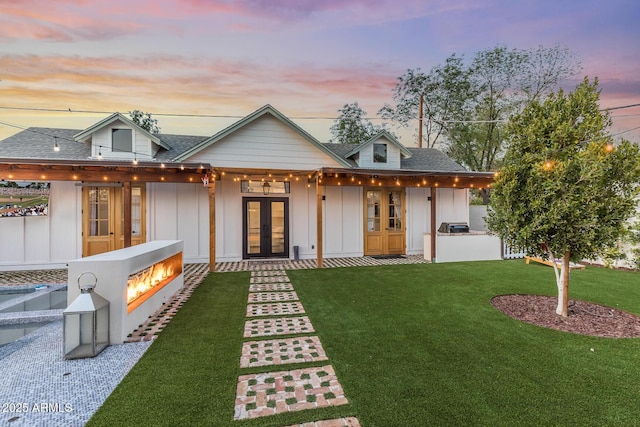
{"x": 117, "y": 137}
{"x": 383, "y": 151}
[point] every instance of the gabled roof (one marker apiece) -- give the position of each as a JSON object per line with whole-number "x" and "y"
{"x": 421, "y": 160}
{"x": 119, "y": 117}
{"x": 379, "y": 135}
{"x": 267, "y": 109}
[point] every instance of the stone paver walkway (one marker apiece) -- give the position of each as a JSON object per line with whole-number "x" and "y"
{"x": 272, "y": 296}
{"x": 282, "y": 351}
{"x": 270, "y": 393}
{"x": 270, "y": 287}
{"x": 277, "y": 326}
{"x": 274, "y": 309}
{"x": 339, "y": 422}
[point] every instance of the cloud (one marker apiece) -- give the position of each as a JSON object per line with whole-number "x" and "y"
{"x": 63, "y": 20}
{"x": 178, "y": 84}
{"x": 68, "y": 20}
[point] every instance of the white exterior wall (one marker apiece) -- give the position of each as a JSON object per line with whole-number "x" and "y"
{"x": 45, "y": 241}
{"x": 343, "y": 229}
{"x": 101, "y": 143}
{"x": 180, "y": 212}
{"x": 452, "y": 205}
{"x": 266, "y": 143}
{"x": 418, "y": 217}
{"x": 393, "y": 156}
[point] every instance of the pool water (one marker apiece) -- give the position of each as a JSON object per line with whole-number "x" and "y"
{"x": 8, "y": 294}
{"x": 24, "y": 300}
{"x": 10, "y": 333}
{"x": 46, "y": 301}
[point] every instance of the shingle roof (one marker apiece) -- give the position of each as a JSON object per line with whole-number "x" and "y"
{"x": 37, "y": 143}
{"x": 422, "y": 159}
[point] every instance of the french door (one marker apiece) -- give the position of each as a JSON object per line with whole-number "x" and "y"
{"x": 103, "y": 218}
{"x": 265, "y": 223}
{"x": 384, "y": 219}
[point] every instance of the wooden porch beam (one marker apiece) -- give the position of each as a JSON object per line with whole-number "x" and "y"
{"x": 434, "y": 230}
{"x": 212, "y": 225}
{"x": 319, "y": 233}
{"x": 126, "y": 206}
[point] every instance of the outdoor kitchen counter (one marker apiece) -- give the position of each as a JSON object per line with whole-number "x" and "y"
{"x": 471, "y": 246}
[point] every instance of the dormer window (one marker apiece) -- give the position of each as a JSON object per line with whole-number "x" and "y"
{"x": 379, "y": 153}
{"x": 122, "y": 140}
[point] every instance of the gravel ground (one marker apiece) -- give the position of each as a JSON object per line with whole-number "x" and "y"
{"x": 39, "y": 388}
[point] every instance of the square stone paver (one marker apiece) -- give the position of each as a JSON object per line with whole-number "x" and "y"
{"x": 270, "y": 279}
{"x": 271, "y": 297}
{"x": 337, "y": 422}
{"x": 282, "y": 351}
{"x": 277, "y": 326}
{"x": 259, "y": 395}
{"x": 268, "y": 273}
{"x": 270, "y": 287}
{"x": 275, "y": 309}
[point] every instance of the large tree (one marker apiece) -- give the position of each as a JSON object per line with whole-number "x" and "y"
{"x": 564, "y": 189}
{"x": 466, "y": 103}
{"x": 445, "y": 92}
{"x": 145, "y": 121}
{"x": 351, "y": 126}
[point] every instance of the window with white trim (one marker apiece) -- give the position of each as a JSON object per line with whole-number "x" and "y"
{"x": 379, "y": 153}
{"x": 122, "y": 140}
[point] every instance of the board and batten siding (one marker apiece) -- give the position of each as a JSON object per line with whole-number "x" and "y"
{"x": 50, "y": 241}
{"x": 101, "y": 143}
{"x": 180, "y": 212}
{"x": 418, "y": 218}
{"x": 265, "y": 143}
{"x": 365, "y": 159}
{"x": 452, "y": 205}
{"x": 343, "y": 222}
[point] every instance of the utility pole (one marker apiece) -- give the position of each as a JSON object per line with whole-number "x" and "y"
{"x": 420, "y": 124}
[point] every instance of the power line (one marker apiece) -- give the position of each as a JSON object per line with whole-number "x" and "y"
{"x": 230, "y": 116}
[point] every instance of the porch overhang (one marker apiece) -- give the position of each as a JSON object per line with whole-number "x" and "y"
{"x": 402, "y": 178}
{"x": 363, "y": 177}
{"x": 13, "y": 169}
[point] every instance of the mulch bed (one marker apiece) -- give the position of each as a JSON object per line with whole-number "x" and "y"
{"x": 583, "y": 318}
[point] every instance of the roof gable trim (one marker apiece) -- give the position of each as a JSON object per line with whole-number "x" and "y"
{"x": 267, "y": 109}
{"x": 119, "y": 117}
{"x": 382, "y": 134}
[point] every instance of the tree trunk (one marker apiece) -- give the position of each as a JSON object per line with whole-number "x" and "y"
{"x": 563, "y": 286}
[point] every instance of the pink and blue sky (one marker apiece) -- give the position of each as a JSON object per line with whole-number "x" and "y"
{"x": 307, "y": 58}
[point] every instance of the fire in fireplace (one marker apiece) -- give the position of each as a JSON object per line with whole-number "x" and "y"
{"x": 143, "y": 284}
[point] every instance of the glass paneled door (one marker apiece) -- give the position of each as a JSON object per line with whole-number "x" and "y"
{"x": 265, "y": 227}
{"x": 384, "y": 222}
{"x": 103, "y": 218}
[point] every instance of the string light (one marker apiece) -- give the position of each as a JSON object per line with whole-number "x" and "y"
{"x": 56, "y": 147}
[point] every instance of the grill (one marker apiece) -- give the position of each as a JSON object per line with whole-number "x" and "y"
{"x": 454, "y": 227}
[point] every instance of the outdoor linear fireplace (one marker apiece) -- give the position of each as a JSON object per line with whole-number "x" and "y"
{"x": 136, "y": 281}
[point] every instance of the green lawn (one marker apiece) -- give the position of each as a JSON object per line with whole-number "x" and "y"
{"x": 412, "y": 345}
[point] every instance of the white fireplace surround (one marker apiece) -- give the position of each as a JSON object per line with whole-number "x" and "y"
{"x": 112, "y": 270}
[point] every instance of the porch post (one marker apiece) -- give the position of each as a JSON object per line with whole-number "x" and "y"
{"x": 319, "y": 235}
{"x": 126, "y": 202}
{"x": 433, "y": 224}
{"x": 212, "y": 225}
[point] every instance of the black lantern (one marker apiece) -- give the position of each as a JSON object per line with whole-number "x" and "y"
{"x": 265, "y": 188}
{"x": 86, "y": 321}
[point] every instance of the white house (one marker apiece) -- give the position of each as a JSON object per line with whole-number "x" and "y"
{"x": 257, "y": 189}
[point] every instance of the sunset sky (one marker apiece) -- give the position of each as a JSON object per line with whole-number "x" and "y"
{"x": 307, "y": 58}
